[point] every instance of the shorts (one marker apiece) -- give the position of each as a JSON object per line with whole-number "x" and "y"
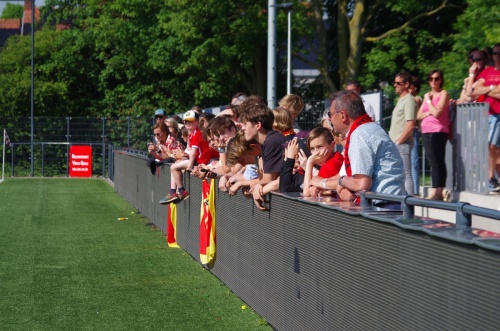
{"x": 251, "y": 172}
{"x": 494, "y": 129}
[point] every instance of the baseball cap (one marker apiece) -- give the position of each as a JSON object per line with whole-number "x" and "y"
{"x": 191, "y": 115}
{"x": 160, "y": 112}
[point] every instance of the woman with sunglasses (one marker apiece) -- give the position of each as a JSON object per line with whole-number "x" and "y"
{"x": 159, "y": 150}
{"x": 435, "y": 126}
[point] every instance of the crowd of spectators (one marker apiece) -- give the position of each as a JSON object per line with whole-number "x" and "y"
{"x": 254, "y": 149}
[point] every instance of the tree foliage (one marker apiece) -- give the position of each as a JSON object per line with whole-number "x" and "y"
{"x": 129, "y": 57}
{"x": 12, "y": 11}
{"x": 361, "y": 26}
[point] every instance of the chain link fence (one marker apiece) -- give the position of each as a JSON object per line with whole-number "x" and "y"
{"x": 53, "y": 137}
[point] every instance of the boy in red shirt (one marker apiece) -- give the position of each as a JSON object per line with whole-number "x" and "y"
{"x": 199, "y": 153}
{"x": 321, "y": 143}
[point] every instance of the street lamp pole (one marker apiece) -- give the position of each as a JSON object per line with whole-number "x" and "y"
{"x": 271, "y": 54}
{"x": 32, "y": 86}
{"x": 288, "y": 7}
{"x": 289, "y": 55}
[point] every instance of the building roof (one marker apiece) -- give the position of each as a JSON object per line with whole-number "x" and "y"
{"x": 10, "y": 23}
{"x": 27, "y": 15}
{"x": 12, "y": 26}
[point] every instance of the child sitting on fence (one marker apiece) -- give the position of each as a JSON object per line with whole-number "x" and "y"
{"x": 199, "y": 152}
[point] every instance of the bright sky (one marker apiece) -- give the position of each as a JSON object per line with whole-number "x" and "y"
{"x": 38, "y": 3}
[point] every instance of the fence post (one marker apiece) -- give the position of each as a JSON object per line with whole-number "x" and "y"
{"x": 103, "y": 158}
{"x": 128, "y": 131}
{"x": 364, "y": 202}
{"x": 12, "y": 159}
{"x": 461, "y": 217}
{"x": 68, "y": 119}
{"x": 43, "y": 157}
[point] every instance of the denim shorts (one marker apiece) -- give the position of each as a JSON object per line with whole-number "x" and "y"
{"x": 494, "y": 129}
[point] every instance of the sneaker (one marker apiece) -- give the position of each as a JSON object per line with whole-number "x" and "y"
{"x": 169, "y": 199}
{"x": 183, "y": 196}
{"x": 493, "y": 185}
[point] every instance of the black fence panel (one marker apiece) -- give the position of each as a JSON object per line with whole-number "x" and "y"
{"x": 307, "y": 267}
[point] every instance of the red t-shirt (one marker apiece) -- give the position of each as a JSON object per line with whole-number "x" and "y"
{"x": 204, "y": 153}
{"x": 491, "y": 76}
{"x": 331, "y": 167}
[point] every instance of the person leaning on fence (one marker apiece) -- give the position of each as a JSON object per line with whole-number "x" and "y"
{"x": 256, "y": 123}
{"x": 435, "y": 125}
{"x": 321, "y": 143}
{"x": 222, "y": 129}
{"x": 477, "y": 60}
{"x": 487, "y": 88}
{"x": 199, "y": 153}
{"x": 283, "y": 123}
{"x": 174, "y": 145}
{"x": 158, "y": 151}
{"x": 295, "y": 105}
{"x": 205, "y": 119}
{"x": 243, "y": 156}
{"x": 232, "y": 112}
{"x": 371, "y": 159}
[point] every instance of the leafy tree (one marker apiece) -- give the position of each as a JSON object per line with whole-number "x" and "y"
{"x": 477, "y": 27}
{"x": 362, "y": 25}
{"x": 12, "y": 11}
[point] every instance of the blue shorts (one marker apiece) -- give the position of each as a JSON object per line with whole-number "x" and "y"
{"x": 494, "y": 129}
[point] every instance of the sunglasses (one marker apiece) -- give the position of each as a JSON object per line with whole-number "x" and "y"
{"x": 398, "y": 83}
{"x": 434, "y": 79}
{"x": 476, "y": 59}
{"x": 496, "y": 53}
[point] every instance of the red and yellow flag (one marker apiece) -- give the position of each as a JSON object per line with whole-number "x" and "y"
{"x": 172, "y": 225}
{"x": 207, "y": 222}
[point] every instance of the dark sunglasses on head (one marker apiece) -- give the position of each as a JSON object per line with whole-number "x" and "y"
{"x": 434, "y": 79}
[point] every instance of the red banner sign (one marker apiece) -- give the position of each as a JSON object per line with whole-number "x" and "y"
{"x": 80, "y": 161}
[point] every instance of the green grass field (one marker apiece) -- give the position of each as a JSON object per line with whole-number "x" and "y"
{"x": 67, "y": 263}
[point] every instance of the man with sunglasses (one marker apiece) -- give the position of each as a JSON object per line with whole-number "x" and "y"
{"x": 477, "y": 60}
{"x": 487, "y": 88}
{"x": 402, "y": 124}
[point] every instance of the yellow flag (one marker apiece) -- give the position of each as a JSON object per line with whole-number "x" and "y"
{"x": 207, "y": 222}
{"x": 172, "y": 225}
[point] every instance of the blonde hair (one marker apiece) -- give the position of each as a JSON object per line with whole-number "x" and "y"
{"x": 173, "y": 123}
{"x": 237, "y": 147}
{"x": 283, "y": 120}
{"x": 293, "y": 103}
